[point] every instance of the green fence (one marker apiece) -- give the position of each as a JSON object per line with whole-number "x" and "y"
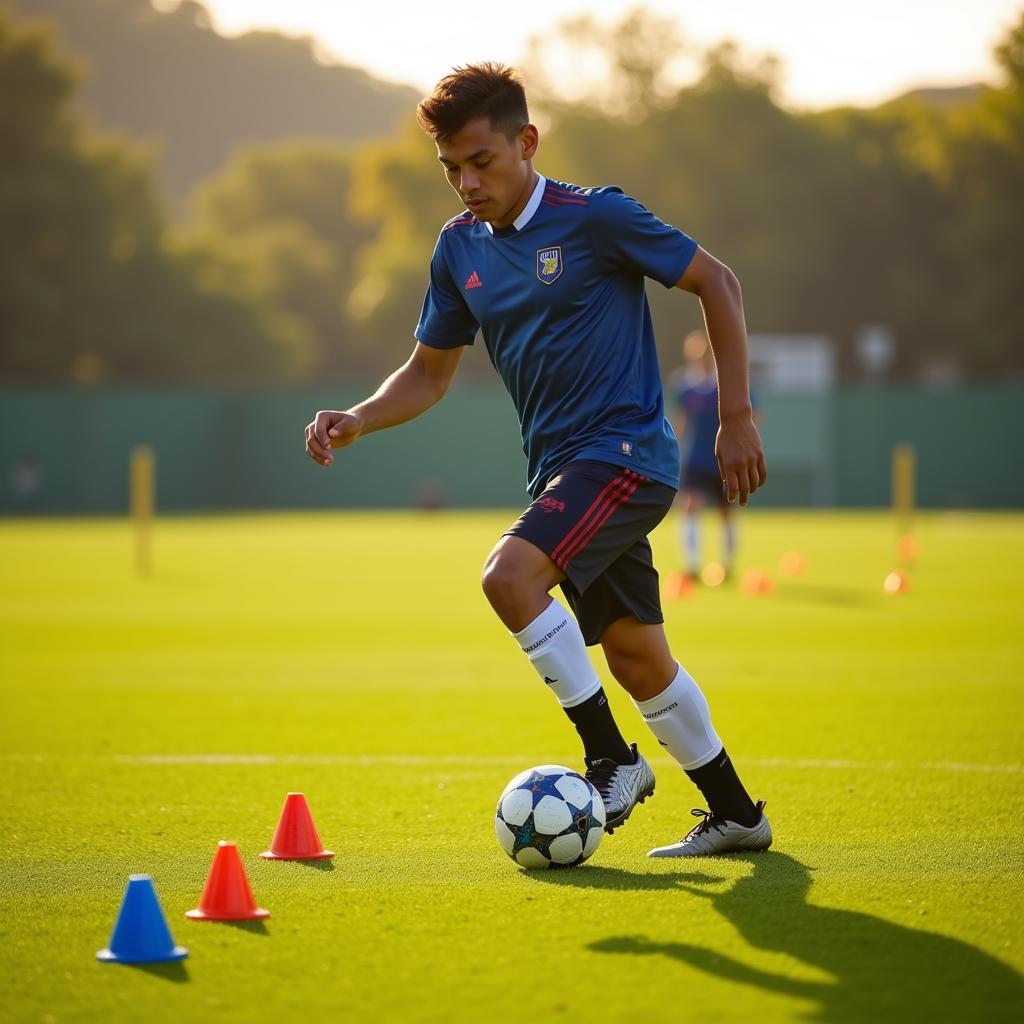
{"x": 69, "y": 451}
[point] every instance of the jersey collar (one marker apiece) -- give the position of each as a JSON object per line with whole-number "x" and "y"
{"x": 529, "y": 210}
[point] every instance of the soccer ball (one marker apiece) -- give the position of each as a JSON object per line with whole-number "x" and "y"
{"x": 549, "y": 817}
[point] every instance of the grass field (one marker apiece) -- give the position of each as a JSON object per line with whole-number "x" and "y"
{"x": 353, "y": 657}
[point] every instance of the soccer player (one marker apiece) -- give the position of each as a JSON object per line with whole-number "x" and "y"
{"x": 694, "y": 390}
{"x": 552, "y": 276}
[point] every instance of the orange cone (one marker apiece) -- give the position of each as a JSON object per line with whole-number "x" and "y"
{"x": 678, "y": 586}
{"x": 896, "y": 583}
{"x": 296, "y": 837}
{"x": 226, "y": 895}
{"x": 906, "y": 548}
{"x": 756, "y": 583}
{"x": 792, "y": 563}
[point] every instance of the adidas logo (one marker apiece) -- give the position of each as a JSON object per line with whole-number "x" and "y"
{"x": 473, "y": 281}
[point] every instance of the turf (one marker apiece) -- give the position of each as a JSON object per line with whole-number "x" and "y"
{"x": 352, "y": 657}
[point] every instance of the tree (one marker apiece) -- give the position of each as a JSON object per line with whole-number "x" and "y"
{"x": 166, "y": 74}
{"x": 398, "y": 187}
{"x": 621, "y": 69}
{"x": 909, "y": 214}
{"x": 983, "y": 158}
{"x": 284, "y": 212}
{"x": 90, "y": 288}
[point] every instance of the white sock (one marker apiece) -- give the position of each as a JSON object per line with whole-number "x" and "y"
{"x": 681, "y": 722}
{"x": 692, "y": 532}
{"x": 730, "y": 542}
{"x": 554, "y": 644}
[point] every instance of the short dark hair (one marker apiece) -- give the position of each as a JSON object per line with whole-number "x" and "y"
{"x": 486, "y": 90}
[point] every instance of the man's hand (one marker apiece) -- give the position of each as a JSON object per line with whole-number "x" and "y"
{"x": 330, "y": 429}
{"x": 740, "y": 457}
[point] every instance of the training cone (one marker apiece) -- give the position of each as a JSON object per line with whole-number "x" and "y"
{"x": 679, "y": 586}
{"x": 792, "y": 563}
{"x": 756, "y": 583}
{"x": 226, "y": 895}
{"x": 896, "y": 583}
{"x": 296, "y": 836}
{"x": 906, "y": 548}
{"x": 141, "y": 935}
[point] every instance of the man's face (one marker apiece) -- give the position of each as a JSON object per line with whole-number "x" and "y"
{"x": 490, "y": 172}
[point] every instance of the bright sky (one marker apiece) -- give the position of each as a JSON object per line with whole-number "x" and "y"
{"x": 833, "y": 53}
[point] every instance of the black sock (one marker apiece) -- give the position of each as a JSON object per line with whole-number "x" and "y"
{"x": 724, "y": 792}
{"x": 596, "y": 727}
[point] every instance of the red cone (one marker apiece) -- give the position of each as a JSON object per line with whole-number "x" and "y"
{"x": 296, "y": 837}
{"x": 226, "y": 895}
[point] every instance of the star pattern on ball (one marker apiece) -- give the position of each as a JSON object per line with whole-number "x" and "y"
{"x": 580, "y": 820}
{"x": 526, "y": 835}
{"x": 583, "y": 820}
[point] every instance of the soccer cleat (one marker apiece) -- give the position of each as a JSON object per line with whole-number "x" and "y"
{"x": 716, "y": 835}
{"x": 622, "y": 786}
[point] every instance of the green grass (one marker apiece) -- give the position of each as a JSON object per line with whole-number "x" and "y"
{"x": 353, "y": 657}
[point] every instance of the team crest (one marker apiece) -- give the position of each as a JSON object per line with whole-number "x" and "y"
{"x": 549, "y": 264}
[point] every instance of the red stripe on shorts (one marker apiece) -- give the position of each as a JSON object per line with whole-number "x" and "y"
{"x": 582, "y": 521}
{"x": 611, "y": 497}
{"x": 611, "y": 505}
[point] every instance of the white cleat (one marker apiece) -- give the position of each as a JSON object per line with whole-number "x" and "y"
{"x": 716, "y": 835}
{"x": 622, "y": 786}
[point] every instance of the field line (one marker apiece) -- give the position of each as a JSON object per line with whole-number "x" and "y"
{"x": 474, "y": 760}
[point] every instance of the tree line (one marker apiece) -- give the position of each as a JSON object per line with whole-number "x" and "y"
{"x": 163, "y": 73}
{"x": 305, "y": 260}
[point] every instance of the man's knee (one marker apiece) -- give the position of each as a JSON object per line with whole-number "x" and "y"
{"x": 628, "y": 668}
{"x": 638, "y": 656}
{"x": 516, "y": 579}
{"x": 501, "y": 576}
{"x": 637, "y": 670}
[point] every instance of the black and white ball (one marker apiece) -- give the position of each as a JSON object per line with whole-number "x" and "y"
{"x": 549, "y": 816}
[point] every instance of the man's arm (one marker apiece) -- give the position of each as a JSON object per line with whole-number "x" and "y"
{"x": 738, "y": 447}
{"x": 679, "y": 422}
{"x": 409, "y": 391}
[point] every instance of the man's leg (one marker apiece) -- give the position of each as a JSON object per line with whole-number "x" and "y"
{"x": 728, "y": 538}
{"x": 517, "y": 579}
{"x": 690, "y": 530}
{"x": 589, "y": 529}
{"x": 676, "y": 711}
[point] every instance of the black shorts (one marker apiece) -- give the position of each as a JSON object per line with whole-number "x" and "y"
{"x": 706, "y": 482}
{"x": 592, "y": 521}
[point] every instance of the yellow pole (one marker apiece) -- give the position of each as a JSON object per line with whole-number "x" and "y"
{"x": 143, "y": 488}
{"x": 904, "y": 487}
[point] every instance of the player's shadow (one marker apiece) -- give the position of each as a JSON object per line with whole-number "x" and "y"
{"x": 877, "y": 969}
{"x": 590, "y": 876}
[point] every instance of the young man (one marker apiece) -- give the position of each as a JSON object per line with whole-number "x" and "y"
{"x": 694, "y": 391}
{"x": 552, "y": 275}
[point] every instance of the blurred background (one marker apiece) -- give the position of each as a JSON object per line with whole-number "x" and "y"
{"x": 216, "y": 219}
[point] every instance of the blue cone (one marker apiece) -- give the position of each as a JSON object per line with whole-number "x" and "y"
{"x": 141, "y": 935}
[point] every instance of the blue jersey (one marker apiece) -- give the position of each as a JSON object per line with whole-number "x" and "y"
{"x": 699, "y": 401}
{"x": 559, "y": 300}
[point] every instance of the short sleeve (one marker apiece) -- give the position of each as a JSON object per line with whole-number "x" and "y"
{"x": 445, "y": 320}
{"x": 627, "y": 236}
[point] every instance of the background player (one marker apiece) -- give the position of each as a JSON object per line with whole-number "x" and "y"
{"x": 694, "y": 391}
{"x": 552, "y": 276}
